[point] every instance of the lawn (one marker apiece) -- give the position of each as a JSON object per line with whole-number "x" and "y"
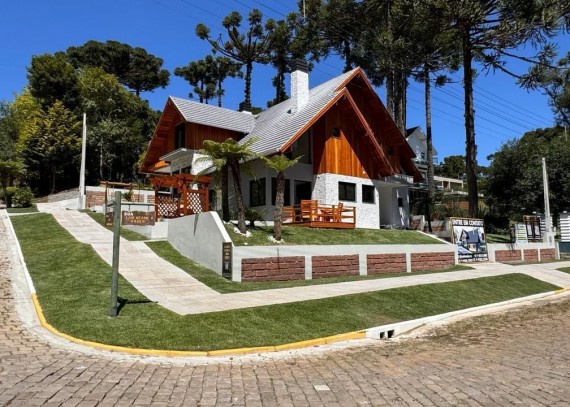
{"x": 31, "y": 209}
{"x": 296, "y": 235}
{"x": 73, "y": 288}
{"x": 496, "y": 238}
{"x": 564, "y": 269}
{"x": 125, "y": 233}
{"x": 223, "y": 285}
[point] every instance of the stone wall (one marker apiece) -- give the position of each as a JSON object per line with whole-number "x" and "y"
{"x": 530, "y": 255}
{"x": 273, "y": 269}
{"x": 547, "y": 254}
{"x": 271, "y": 263}
{"x": 432, "y": 261}
{"x": 508, "y": 255}
{"x": 95, "y": 196}
{"x": 335, "y": 266}
{"x": 386, "y": 263}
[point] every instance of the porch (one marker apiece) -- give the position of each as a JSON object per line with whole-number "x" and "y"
{"x": 180, "y": 195}
{"x": 310, "y": 213}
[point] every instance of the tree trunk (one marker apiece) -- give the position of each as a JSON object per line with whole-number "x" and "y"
{"x": 390, "y": 93}
{"x": 219, "y": 93}
{"x": 225, "y": 194}
{"x": 430, "y": 172}
{"x": 53, "y": 171}
{"x": 280, "y": 93}
{"x": 347, "y": 55}
{"x": 470, "y": 146}
{"x": 234, "y": 165}
{"x": 7, "y": 199}
{"x": 279, "y": 205}
{"x": 248, "y": 70}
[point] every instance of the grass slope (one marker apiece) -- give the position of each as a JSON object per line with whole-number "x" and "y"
{"x": 223, "y": 285}
{"x": 296, "y": 235}
{"x": 73, "y": 286}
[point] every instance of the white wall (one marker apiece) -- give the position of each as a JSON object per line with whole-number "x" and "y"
{"x": 199, "y": 237}
{"x": 326, "y": 191}
{"x": 390, "y": 212}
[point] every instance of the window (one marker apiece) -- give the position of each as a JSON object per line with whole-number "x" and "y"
{"x": 347, "y": 191}
{"x": 286, "y": 195}
{"x": 400, "y": 202}
{"x": 180, "y": 136}
{"x": 336, "y": 132}
{"x": 368, "y": 193}
{"x": 257, "y": 192}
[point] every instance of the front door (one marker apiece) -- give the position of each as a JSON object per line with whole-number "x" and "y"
{"x": 303, "y": 191}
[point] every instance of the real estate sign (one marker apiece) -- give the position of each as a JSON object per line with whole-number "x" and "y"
{"x": 468, "y": 235}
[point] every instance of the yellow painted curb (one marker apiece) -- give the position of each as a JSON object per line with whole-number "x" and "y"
{"x": 562, "y": 290}
{"x": 221, "y": 352}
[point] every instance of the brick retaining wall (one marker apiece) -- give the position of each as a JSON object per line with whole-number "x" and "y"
{"x": 508, "y": 255}
{"x": 294, "y": 267}
{"x": 97, "y": 198}
{"x": 547, "y": 254}
{"x": 386, "y": 263}
{"x": 273, "y": 268}
{"x": 334, "y": 266}
{"x": 530, "y": 255}
{"x": 432, "y": 261}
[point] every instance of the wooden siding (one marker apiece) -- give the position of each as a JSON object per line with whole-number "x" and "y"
{"x": 163, "y": 139}
{"x": 350, "y": 153}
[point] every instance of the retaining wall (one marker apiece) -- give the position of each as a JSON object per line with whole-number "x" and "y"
{"x": 522, "y": 252}
{"x": 274, "y": 263}
{"x": 95, "y": 196}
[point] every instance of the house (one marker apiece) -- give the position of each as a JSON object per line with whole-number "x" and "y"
{"x": 416, "y": 138}
{"x": 351, "y": 150}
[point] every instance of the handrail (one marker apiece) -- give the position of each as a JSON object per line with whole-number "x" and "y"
{"x": 319, "y": 213}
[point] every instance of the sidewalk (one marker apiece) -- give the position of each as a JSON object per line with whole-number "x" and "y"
{"x": 179, "y": 292}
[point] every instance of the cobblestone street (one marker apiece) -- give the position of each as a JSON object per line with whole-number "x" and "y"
{"x": 520, "y": 357}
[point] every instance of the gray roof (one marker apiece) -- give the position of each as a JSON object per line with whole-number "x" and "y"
{"x": 211, "y": 115}
{"x": 272, "y": 128}
{"x": 275, "y": 126}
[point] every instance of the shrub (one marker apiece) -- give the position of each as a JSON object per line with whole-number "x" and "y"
{"x": 22, "y": 197}
{"x": 252, "y": 216}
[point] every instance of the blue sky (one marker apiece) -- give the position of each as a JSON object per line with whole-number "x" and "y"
{"x": 165, "y": 28}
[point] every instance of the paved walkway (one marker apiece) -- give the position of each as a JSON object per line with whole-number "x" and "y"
{"x": 174, "y": 289}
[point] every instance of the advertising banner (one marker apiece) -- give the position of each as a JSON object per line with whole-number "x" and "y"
{"x": 469, "y": 238}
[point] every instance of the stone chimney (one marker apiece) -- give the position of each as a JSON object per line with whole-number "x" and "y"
{"x": 299, "y": 84}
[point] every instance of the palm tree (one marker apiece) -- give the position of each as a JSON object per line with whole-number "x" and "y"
{"x": 234, "y": 154}
{"x": 279, "y": 163}
{"x": 214, "y": 153}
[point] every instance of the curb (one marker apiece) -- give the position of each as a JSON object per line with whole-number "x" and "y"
{"x": 387, "y": 331}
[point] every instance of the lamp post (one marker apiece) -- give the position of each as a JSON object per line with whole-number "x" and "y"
{"x": 547, "y": 223}
{"x": 81, "y": 204}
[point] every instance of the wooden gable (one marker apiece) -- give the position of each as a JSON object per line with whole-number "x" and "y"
{"x": 163, "y": 140}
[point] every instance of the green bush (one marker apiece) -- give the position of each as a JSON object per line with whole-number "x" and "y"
{"x": 252, "y": 216}
{"x": 22, "y": 197}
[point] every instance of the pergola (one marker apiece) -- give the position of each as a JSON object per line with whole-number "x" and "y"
{"x": 189, "y": 195}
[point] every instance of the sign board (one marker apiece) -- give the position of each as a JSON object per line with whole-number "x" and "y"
{"x": 109, "y": 218}
{"x": 521, "y": 236}
{"x": 532, "y": 225}
{"x": 469, "y": 237}
{"x": 139, "y": 218}
{"x": 227, "y": 259}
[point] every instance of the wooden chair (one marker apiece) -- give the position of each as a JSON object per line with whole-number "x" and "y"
{"x": 309, "y": 208}
{"x": 337, "y": 213}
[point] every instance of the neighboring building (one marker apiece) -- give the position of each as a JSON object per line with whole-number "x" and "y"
{"x": 351, "y": 150}
{"x": 417, "y": 141}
